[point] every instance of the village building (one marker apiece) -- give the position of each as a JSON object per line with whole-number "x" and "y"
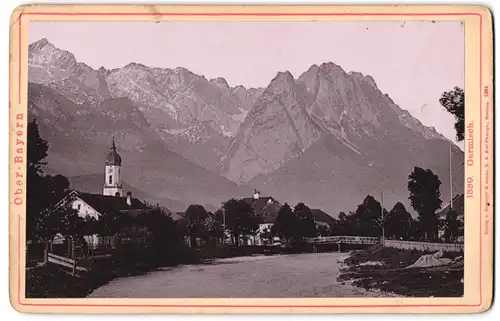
{"x": 112, "y": 176}
{"x": 267, "y": 209}
{"x": 111, "y": 201}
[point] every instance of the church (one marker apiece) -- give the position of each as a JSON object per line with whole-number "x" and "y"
{"x": 112, "y": 199}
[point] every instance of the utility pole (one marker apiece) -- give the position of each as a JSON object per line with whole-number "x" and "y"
{"x": 223, "y": 218}
{"x": 223, "y": 225}
{"x": 383, "y": 222}
{"x": 451, "y": 185}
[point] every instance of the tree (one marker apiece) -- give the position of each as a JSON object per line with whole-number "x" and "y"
{"x": 398, "y": 222}
{"x": 366, "y": 220}
{"x": 307, "y": 225}
{"x": 62, "y": 220}
{"x": 37, "y": 149}
{"x": 344, "y": 225}
{"x": 36, "y": 153}
{"x": 452, "y": 226}
{"x": 43, "y": 192}
{"x": 162, "y": 233}
{"x": 195, "y": 223}
{"x": 213, "y": 227}
{"x": 423, "y": 186}
{"x": 414, "y": 232}
{"x": 453, "y": 101}
{"x": 286, "y": 225}
{"x": 240, "y": 219}
{"x": 110, "y": 224}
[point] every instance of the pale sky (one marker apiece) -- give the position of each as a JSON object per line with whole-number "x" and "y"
{"x": 412, "y": 62}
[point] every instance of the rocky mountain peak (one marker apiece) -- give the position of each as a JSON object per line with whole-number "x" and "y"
{"x": 221, "y": 83}
{"x": 369, "y": 79}
{"x": 313, "y": 69}
{"x": 364, "y": 79}
{"x": 135, "y": 65}
{"x": 183, "y": 72}
{"x": 44, "y": 52}
{"x": 38, "y": 45}
{"x": 328, "y": 128}
{"x": 331, "y": 69}
{"x": 281, "y": 83}
{"x": 239, "y": 88}
{"x": 285, "y": 76}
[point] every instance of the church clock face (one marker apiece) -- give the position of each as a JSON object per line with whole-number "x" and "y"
{"x": 110, "y": 170}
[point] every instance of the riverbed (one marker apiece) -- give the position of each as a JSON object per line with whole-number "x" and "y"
{"x": 281, "y": 276}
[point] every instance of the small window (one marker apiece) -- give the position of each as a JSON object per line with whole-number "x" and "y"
{"x": 110, "y": 179}
{"x": 79, "y": 206}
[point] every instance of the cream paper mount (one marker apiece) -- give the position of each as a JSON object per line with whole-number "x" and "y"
{"x": 251, "y": 159}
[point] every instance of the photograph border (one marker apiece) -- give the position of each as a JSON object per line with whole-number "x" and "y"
{"x": 478, "y": 27}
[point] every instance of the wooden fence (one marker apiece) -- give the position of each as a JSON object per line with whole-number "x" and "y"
{"x": 66, "y": 262}
{"x": 344, "y": 239}
{"x": 425, "y": 246}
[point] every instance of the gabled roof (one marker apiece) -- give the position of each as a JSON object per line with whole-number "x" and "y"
{"x": 265, "y": 207}
{"x": 268, "y": 208}
{"x": 176, "y": 215}
{"x": 321, "y": 216}
{"x": 109, "y": 204}
{"x": 458, "y": 206}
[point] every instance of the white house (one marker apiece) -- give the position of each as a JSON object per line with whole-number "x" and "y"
{"x": 267, "y": 208}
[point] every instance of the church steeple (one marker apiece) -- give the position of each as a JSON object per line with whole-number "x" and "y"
{"x": 113, "y": 157}
{"x": 112, "y": 173}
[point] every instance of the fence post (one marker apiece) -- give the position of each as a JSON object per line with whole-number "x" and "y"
{"x": 74, "y": 267}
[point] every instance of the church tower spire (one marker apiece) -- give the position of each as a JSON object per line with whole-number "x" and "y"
{"x": 112, "y": 173}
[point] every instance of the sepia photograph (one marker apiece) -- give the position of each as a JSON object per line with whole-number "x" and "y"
{"x": 231, "y": 159}
{"x": 247, "y": 159}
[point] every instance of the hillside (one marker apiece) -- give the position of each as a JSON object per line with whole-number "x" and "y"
{"x": 327, "y": 138}
{"x": 80, "y": 136}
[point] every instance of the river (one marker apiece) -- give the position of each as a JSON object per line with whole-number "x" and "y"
{"x": 283, "y": 276}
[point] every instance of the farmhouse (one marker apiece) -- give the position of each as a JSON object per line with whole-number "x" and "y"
{"x": 267, "y": 208}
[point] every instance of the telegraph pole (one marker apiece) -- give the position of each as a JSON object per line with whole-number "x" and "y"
{"x": 383, "y": 222}
{"x": 451, "y": 184}
{"x": 223, "y": 225}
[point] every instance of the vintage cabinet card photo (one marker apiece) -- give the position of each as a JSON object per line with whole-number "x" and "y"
{"x": 251, "y": 159}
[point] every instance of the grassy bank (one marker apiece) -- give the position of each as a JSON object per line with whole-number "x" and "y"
{"x": 386, "y": 269}
{"x": 51, "y": 281}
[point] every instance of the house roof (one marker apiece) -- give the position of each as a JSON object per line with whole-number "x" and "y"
{"x": 176, "y": 215}
{"x": 268, "y": 208}
{"x": 265, "y": 207}
{"x": 107, "y": 204}
{"x": 458, "y": 206}
{"x": 321, "y": 216}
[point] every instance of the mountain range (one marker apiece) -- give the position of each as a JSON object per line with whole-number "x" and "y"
{"x": 327, "y": 138}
